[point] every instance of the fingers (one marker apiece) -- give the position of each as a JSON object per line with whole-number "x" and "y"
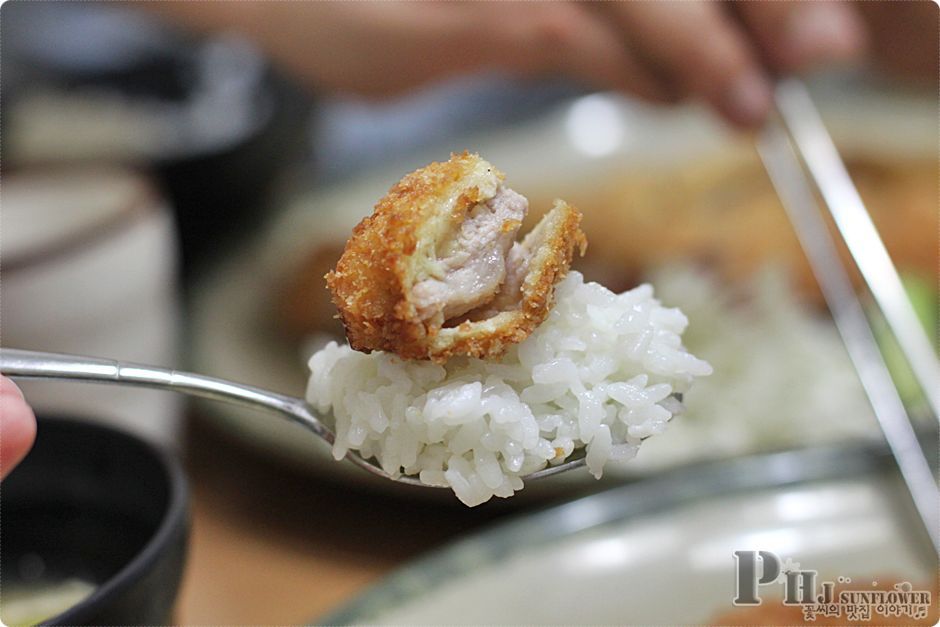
{"x": 798, "y": 36}
{"x": 571, "y": 39}
{"x": 384, "y": 49}
{"x": 17, "y": 426}
{"x": 721, "y": 52}
{"x": 701, "y": 51}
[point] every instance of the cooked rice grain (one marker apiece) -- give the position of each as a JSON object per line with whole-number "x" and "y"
{"x": 598, "y": 373}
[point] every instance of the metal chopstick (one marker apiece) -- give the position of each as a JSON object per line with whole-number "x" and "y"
{"x": 778, "y": 150}
{"x": 817, "y": 150}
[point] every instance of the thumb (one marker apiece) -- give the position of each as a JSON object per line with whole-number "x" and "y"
{"x": 17, "y": 426}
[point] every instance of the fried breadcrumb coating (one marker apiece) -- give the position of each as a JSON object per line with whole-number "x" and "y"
{"x": 436, "y": 270}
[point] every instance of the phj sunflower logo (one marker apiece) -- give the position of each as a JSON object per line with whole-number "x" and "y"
{"x": 800, "y": 587}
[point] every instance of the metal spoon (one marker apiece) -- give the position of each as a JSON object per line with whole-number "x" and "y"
{"x": 38, "y": 365}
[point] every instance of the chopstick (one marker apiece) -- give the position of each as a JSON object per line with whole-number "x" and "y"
{"x": 819, "y": 153}
{"x": 796, "y": 136}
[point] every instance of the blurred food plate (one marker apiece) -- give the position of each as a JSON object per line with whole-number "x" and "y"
{"x": 669, "y": 196}
{"x": 661, "y": 551}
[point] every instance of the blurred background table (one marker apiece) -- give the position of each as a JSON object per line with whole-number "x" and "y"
{"x": 269, "y": 546}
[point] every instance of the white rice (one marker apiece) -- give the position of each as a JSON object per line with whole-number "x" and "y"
{"x": 782, "y": 376}
{"x": 598, "y": 373}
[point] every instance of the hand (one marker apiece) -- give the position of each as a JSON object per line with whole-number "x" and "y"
{"x": 17, "y": 426}
{"x": 721, "y": 52}
{"x": 726, "y": 53}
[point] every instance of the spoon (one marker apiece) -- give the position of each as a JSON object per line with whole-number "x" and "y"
{"x": 38, "y": 365}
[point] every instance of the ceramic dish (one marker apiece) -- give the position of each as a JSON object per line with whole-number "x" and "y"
{"x": 660, "y": 551}
{"x": 95, "y": 528}
{"x": 89, "y": 259}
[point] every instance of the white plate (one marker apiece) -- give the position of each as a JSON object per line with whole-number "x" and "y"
{"x": 660, "y": 551}
{"x": 234, "y": 334}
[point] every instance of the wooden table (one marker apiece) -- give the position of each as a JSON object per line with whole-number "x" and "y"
{"x": 271, "y": 545}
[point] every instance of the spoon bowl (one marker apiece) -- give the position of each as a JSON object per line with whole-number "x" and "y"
{"x": 40, "y": 365}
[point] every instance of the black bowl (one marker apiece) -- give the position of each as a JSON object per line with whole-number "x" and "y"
{"x": 101, "y": 506}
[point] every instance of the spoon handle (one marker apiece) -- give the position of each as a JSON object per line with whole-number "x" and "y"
{"x": 39, "y": 365}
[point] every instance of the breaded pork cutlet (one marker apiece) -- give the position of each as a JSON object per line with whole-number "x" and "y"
{"x": 436, "y": 270}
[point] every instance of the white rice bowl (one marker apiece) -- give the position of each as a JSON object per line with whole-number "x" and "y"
{"x": 599, "y": 373}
